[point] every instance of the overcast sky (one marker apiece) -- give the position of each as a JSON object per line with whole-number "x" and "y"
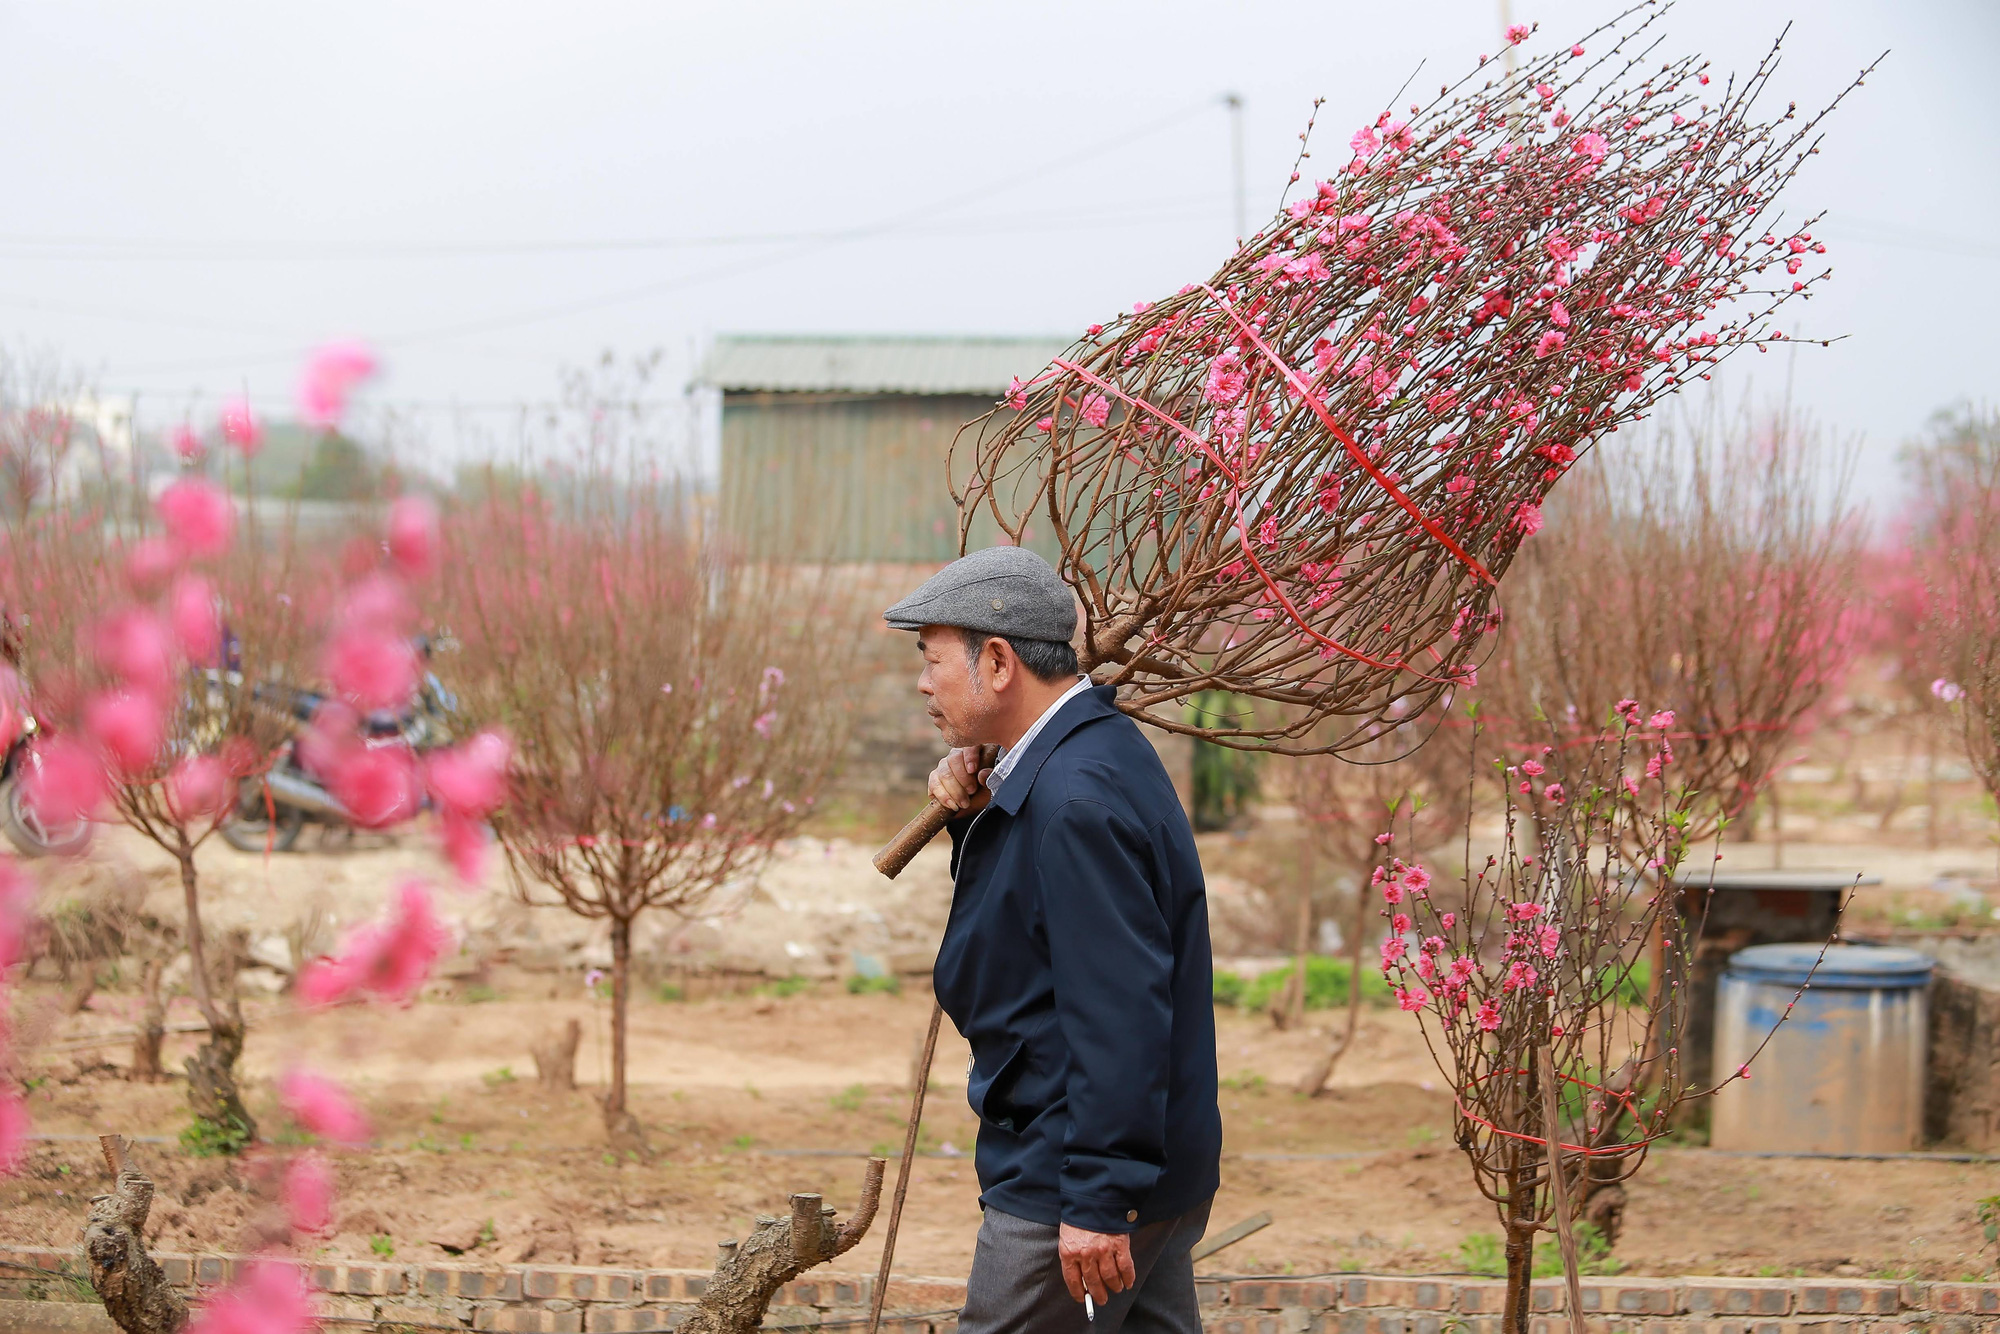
{"x": 193, "y": 194}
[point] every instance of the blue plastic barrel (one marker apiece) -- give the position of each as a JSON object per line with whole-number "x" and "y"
{"x": 1845, "y": 1073}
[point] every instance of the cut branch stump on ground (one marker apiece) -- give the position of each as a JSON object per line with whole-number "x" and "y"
{"x": 749, "y": 1273}
{"x": 135, "y": 1293}
{"x": 555, "y": 1057}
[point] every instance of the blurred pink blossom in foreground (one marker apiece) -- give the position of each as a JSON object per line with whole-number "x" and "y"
{"x": 67, "y": 785}
{"x": 413, "y": 536}
{"x": 390, "y": 959}
{"x": 322, "y": 1107}
{"x": 330, "y": 376}
{"x": 197, "y": 515}
{"x": 271, "y": 1299}
{"x": 240, "y": 428}
{"x": 308, "y": 1193}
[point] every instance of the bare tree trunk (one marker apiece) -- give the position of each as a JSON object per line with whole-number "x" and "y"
{"x": 1315, "y": 1079}
{"x": 749, "y": 1274}
{"x": 77, "y": 999}
{"x": 555, "y": 1057}
{"x": 619, "y": 1123}
{"x": 1895, "y": 802}
{"x": 1931, "y": 787}
{"x": 1777, "y": 827}
{"x": 135, "y": 1293}
{"x": 1520, "y": 1248}
{"x": 152, "y": 1025}
{"x": 1304, "y": 944}
{"x": 212, "y": 1091}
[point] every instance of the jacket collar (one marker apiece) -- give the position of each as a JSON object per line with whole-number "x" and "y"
{"x": 1088, "y": 706}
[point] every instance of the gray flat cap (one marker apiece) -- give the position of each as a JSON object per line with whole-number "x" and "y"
{"x": 999, "y": 591}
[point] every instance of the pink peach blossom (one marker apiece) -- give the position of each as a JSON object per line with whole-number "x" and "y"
{"x": 321, "y": 1107}
{"x": 240, "y": 428}
{"x": 271, "y": 1299}
{"x": 198, "y": 516}
{"x": 184, "y": 442}
{"x": 307, "y": 1193}
{"x": 465, "y": 845}
{"x": 129, "y": 728}
{"x": 198, "y": 788}
{"x": 17, "y": 894}
{"x": 1096, "y": 409}
{"x": 132, "y": 644}
{"x": 192, "y": 609}
{"x": 149, "y": 563}
{"x": 390, "y": 959}
{"x": 13, "y": 1131}
{"x": 66, "y": 784}
{"x": 376, "y": 784}
{"x": 413, "y": 535}
{"x": 331, "y": 373}
{"x": 373, "y": 669}
{"x": 471, "y": 778}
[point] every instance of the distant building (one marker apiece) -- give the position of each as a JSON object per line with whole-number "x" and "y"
{"x": 835, "y": 447}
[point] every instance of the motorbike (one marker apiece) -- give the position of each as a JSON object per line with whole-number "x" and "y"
{"x": 273, "y": 808}
{"x": 30, "y": 834}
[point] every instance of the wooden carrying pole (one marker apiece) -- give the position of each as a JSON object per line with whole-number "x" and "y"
{"x": 909, "y": 1157}
{"x": 911, "y": 839}
{"x": 1558, "y": 1186}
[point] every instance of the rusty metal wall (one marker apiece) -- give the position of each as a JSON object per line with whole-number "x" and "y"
{"x": 847, "y": 477}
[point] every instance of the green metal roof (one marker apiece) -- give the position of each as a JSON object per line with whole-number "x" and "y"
{"x": 872, "y": 364}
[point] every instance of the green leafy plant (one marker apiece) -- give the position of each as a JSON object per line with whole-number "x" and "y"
{"x": 204, "y": 1138}
{"x": 1228, "y": 988}
{"x": 850, "y": 1098}
{"x": 382, "y": 1245}
{"x": 1326, "y": 985}
{"x": 1989, "y": 1218}
{"x": 495, "y": 1078}
{"x": 887, "y": 984}
{"x": 478, "y": 993}
{"x": 1224, "y": 778}
{"x": 784, "y": 987}
{"x": 1482, "y": 1253}
{"x": 668, "y": 992}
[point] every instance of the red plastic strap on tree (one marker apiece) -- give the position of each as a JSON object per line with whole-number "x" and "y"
{"x": 1359, "y": 455}
{"x": 1582, "y": 1150}
{"x": 1296, "y": 616}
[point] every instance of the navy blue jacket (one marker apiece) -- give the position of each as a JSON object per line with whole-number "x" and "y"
{"x": 1076, "y": 963}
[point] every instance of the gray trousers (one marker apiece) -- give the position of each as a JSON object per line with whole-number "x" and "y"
{"x": 1016, "y": 1285}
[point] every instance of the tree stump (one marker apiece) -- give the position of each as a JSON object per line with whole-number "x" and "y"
{"x": 135, "y": 1293}
{"x": 211, "y": 1071}
{"x": 152, "y": 1026}
{"x": 555, "y": 1057}
{"x": 749, "y": 1273}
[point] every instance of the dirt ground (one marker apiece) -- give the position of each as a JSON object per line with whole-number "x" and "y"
{"x": 747, "y": 1097}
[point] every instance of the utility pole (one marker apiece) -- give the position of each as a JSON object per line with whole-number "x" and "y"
{"x": 1234, "y": 101}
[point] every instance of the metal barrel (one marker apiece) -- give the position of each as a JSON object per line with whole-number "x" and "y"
{"x": 1845, "y": 1072}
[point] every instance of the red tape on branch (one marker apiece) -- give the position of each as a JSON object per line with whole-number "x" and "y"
{"x": 1359, "y": 455}
{"x": 1583, "y": 1150}
{"x": 1292, "y": 612}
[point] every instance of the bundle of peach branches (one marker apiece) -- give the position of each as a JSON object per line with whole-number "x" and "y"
{"x": 1301, "y": 480}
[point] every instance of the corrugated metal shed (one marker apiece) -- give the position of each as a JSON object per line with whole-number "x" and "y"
{"x": 869, "y": 364}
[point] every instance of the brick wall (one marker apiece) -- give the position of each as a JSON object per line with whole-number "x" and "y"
{"x": 388, "y": 1296}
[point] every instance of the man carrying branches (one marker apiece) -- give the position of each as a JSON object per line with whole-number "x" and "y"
{"x": 1076, "y": 964}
